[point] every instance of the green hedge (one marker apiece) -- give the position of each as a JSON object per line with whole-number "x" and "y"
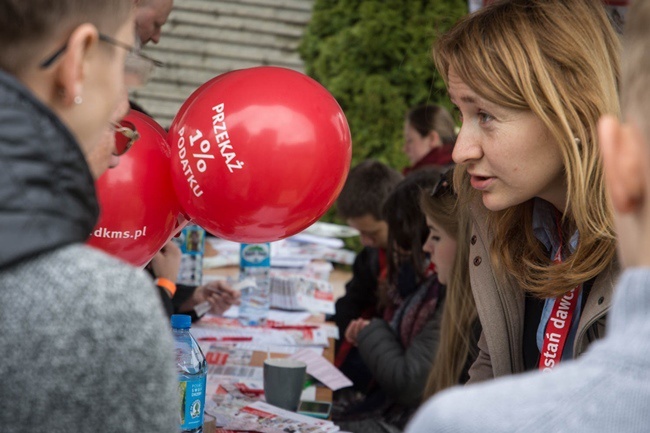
{"x": 375, "y": 58}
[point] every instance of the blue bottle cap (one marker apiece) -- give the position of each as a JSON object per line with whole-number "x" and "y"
{"x": 181, "y": 321}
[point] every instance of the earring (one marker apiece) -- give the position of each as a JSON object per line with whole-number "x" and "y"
{"x": 577, "y": 141}
{"x": 78, "y": 100}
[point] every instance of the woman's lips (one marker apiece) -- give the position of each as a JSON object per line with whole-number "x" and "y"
{"x": 481, "y": 183}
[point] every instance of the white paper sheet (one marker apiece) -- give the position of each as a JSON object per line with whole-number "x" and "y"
{"x": 323, "y": 370}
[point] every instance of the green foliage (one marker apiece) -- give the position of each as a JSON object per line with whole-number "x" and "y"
{"x": 374, "y": 56}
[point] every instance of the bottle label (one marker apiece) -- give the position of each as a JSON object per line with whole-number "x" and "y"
{"x": 255, "y": 256}
{"x": 192, "y": 399}
{"x": 191, "y": 241}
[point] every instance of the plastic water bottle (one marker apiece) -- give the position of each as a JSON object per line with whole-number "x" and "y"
{"x": 255, "y": 265}
{"x": 192, "y": 371}
{"x": 192, "y": 244}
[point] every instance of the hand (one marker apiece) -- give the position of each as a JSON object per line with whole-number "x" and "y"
{"x": 352, "y": 332}
{"x": 167, "y": 262}
{"x": 218, "y": 293}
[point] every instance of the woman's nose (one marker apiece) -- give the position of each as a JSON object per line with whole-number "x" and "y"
{"x": 467, "y": 147}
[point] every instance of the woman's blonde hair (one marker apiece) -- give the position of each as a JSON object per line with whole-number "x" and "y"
{"x": 560, "y": 60}
{"x": 459, "y": 315}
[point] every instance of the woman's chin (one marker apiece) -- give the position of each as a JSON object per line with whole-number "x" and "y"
{"x": 496, "y": 203}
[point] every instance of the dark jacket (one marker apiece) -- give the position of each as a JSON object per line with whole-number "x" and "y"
{"x": 47, "y": 194}
{"x": 401, "y": 371}
{"x": 361, "y": 291}
{"x": 84, "y": 343}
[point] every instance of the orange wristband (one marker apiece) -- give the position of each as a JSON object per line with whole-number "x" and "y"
{"x": 168, "y": 285}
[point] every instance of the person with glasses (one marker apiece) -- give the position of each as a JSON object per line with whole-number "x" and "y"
{"x": 398, "y": 347}
{"x": 448, "y": 248}
{"x": 85, "y": 345}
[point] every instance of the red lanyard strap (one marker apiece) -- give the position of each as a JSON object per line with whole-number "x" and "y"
{"x": 557, "y": 329}
{"x": 558, "y": 326}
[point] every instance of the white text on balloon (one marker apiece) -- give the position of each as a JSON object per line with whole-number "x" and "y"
{"x": 187, "y": 170}
{"x": 220, "y": 136}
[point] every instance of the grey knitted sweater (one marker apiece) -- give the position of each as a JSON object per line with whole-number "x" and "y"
{"x": 84, "y": 345}
{"x": 605, "y": 390}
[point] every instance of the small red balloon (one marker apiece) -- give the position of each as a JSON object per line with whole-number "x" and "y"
{"x": 259, "y": 154}
{"x": 139, "y": 209}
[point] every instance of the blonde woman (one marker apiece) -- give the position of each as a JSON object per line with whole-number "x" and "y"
{"x": 530, "y": 78}
{"x": 607, "y": 389}
{"x": 448, "y": 249}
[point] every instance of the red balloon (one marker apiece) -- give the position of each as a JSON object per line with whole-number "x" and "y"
{"x": 139, "y": 209}
{"x": 259, "y": 154}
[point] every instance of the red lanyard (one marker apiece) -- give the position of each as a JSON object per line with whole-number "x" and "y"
{"x": 559, "y": 323}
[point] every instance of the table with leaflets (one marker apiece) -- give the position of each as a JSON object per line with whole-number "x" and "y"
{"x": 235, "y": 356}
{"x": 303, "y": 288}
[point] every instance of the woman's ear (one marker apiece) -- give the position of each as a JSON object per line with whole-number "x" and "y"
{"x": 622, "y": 148}
{"x": 434, "y": 139}
{"x": 71, "y": 72}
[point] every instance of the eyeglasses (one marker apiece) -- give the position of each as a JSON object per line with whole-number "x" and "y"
{"x": 125, "y": 136}
{"x": 138, "y": 66}
{"x": 443, "y": 186}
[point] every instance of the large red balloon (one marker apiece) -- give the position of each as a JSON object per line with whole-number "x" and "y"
{"x": 139, "y": 209}
{"x": 259, "y": 154}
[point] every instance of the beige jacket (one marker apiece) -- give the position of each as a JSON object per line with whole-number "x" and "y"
{"x": 500, "y": 306}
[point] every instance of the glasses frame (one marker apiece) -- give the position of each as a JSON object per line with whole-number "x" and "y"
{"x": 131, "y": 133}
{"x": 132, "y": 51}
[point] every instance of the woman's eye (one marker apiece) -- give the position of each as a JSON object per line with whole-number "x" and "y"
{"x": 484, "y": 117}
{"x": 435, "y": 238}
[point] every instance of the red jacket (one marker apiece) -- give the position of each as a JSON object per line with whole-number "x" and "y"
{"x": 440, "y": 156}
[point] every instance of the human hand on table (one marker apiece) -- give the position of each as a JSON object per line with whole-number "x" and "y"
{"x": 355, "y": 326}
{"x": 167, "y": 262}
{"x": 218, "y": 293}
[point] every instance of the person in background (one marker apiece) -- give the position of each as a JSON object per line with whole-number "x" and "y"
{"x": 428, "y": 137}
{"x": 181, "y": 298}
{"x": 360, "y": 204}
{"x": 85, "y": 345}
{"x": 542, "y": 252}
{"x": 150, "y": 16}
{"x": 399, "y": 346}
{"x": 608, "y": 388}
{"x": 448, "y": 248}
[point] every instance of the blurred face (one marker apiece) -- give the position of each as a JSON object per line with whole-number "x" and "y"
{"x": 415, "y": 145}
{"x": 105, "y": 101}
{"x": 509, "y": 154}
{"x": 151, "y": 15}
{"x": 102, "y": 157}
{"x": 442, "y": 250}
{"x": 374, "y": 233}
